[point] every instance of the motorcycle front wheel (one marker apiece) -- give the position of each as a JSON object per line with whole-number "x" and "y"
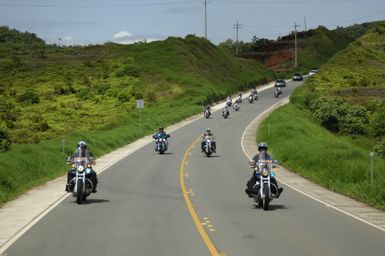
{"x": 79, "y": 192}
{"x": 266, "y": 200}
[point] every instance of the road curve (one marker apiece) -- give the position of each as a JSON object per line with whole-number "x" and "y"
{"x": 140, "y": 209}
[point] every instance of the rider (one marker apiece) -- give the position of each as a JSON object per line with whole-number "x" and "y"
{"x": 161, "y": 134}
{"x": 210, "y": 135}
{"x": 262, "y": 153}
{"x": 239, "y": 100}
{"x": 82, "y": 151}
{"x": 226, "y": 109}
{"x": 207, "y": 108}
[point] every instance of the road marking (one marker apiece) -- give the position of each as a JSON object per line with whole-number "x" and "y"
{"x": 190, "y": 206}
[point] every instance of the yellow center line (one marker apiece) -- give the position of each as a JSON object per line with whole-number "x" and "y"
{"x": 190, "y": 207}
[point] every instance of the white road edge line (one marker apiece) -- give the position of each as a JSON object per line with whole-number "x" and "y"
{"x": 300, "y": 191}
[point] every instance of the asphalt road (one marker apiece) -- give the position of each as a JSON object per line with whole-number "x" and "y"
{"x": 140, "y": 210}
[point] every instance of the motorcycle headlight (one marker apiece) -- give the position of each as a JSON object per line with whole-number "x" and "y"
{"x": 265, "y": 172}
{"x": 80, "y": 168}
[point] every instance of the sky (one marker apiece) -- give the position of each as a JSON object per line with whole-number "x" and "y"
{"x": 82, "y": 22}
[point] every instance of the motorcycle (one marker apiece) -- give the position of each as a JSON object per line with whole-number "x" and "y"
{"x": 225, "y": 113}
{"x": 264, "y": 191}
{"x": 251, "y": 98}
{"x": 81, "y": 185}
{"x": 229, "y": 102}
{"x": 208, "y": 148}
{"x": 239, "y": 100}
{"x": 277, "y": 91}
{"x": 255, "y": 96}
{"x": 236, "y": 106}
{"x": 161, "y": 145}
{"x": 207, "y": 113}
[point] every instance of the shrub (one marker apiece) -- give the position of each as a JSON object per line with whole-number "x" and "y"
{"x": 127, "y": 70}
{"x": 29, "y": 96}
{"x": 5, "y": 141}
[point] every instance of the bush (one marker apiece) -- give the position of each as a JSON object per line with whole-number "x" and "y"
{"x": 379, "y": 148}
{"x": 29, "y": 96}
{"x": 377, "y": 123}
{"x": 336, "y": 115}
{"x": 127, "y": 70}
{"x": 5, "y": 142}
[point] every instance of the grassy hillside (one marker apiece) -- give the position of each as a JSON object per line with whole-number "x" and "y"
{"x": 53, "y": 96}
{"x": 315, "y": 47}
{"x": 335, "y": 120}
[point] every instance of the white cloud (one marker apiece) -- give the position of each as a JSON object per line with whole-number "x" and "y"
{"x": 124, "y": 37}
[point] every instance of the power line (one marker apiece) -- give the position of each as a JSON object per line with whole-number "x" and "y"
{"x": 205, "y": 3}
{"x": 285, "y": 2}
{"x": 97, "y": 5}
{"x": 295, "y": 44}
{"x": 237, "y": 27}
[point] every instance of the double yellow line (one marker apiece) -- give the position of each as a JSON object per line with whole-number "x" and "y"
{"x": 191, "y": 209}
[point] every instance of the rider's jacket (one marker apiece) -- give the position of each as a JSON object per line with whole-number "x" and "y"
{"x": 161, "y": 135}
{"x": 263, "y": 156}
{"x": 207, "y": 134}
{"x": 82, "y": 153}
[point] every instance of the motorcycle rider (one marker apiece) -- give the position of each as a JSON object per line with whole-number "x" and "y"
{"x": 236, "y": 105}
{"x": 210, "y": 135}
{"x": 225, "y": 110}
{"x": 208, "y": 109}
{"x": 239, "y": 100}
{"x": 230, "y": 100}
{"x": 82, "y": 151}
{"x": 161, "y": 134}
{"x": 263, "y": 155}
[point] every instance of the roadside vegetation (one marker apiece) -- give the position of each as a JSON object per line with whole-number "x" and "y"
{"x": 335, "y": 120}
{"x": 53, "y": 96}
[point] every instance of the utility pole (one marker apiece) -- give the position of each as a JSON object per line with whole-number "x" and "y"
{"x": 295, "y": 44}
{"x": 304, "y": 19}
{"x": 205, "y": 3}
{"x": 237, "y": 27}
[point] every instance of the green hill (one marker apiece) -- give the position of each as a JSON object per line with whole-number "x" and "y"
{"x": 336, "y": 119}
{"x": 43, "y": 86}
{"x": 315, "y": 47}
{"x": 53, "y": 96}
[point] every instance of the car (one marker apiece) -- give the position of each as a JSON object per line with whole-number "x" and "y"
{"x": 313, "y": 71}
{"x": 297, "y": 76}
{"x": 280, "y": 83}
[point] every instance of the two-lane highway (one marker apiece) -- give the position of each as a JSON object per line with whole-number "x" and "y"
{"x": 140, "y": 210}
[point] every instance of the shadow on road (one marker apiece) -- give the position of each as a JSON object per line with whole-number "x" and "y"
{"x": 273, "y": 207}
{"x": 95, "y": 201}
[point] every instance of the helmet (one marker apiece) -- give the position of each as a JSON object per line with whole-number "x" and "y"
{"x": 208, "y": 130}
{"x": 161, "y": 129}
{"x": 262, "y": 146}
{"x": 82, "y": 144}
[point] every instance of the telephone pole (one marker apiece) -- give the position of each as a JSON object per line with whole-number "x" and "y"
{"x": 237, "y": 27}
{"x": 205, "y": 3}
{"x": 304, "y": 19}
{"x": 295, "y": 44}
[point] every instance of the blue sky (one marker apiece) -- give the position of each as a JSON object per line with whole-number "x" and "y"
{"x": 125, "y": 21}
